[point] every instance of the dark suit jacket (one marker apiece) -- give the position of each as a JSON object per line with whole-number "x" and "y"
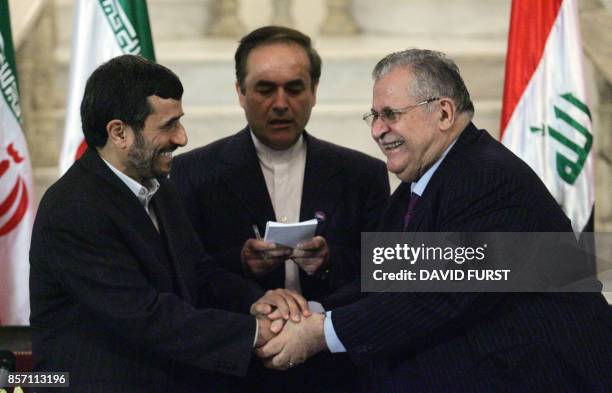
{"x": 119, "y": 305}
{"x": 225, "y": 194}
{"x": 480, "y": 342}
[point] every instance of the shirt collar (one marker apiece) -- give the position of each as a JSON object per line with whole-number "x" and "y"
{"x": 144, "y": 194}
{"x": 276, "y": 156}
{"x": 419, "y": 186}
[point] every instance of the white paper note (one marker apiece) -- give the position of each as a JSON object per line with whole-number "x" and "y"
{"x": 290, "y": 234}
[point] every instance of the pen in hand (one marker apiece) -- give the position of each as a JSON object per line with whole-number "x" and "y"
{"x": 258, "y": 237}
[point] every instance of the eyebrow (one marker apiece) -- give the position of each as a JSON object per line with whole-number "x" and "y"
{"x": 293, "y": 82}
{"x": 172, "y": 120}
{"x": 384, "y": 108}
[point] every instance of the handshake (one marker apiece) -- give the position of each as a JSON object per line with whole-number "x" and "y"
{"x": 288, "y": 332}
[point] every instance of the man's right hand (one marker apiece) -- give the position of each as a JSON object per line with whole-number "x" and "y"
{"x": 260, "y": 257}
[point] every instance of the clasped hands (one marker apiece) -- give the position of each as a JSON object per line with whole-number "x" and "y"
{"x": 288, "y": 333}
{"x": 260, "y": 257}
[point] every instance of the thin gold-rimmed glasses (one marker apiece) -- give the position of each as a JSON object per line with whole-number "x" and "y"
{"x": 391, "y": 115}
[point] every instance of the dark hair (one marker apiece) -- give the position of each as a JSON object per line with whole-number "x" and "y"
{"x": 118, "y": 89}
{"x": 435, "y": 75}
{"x": 270, "y": 35}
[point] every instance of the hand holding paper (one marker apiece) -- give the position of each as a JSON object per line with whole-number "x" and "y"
{"x": 290, "y": 235}
{"x": 260, "y": 257}
{"x": 311, "y": 255}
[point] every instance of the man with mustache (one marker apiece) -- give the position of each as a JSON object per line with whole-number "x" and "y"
{"x": 456, "y": 178}
{"x": 273, "y": 170}
{"x": 123, "y": 296}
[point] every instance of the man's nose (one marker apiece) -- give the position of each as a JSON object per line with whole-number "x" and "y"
{"x": 280, "y": 104}
{"x": 180, "y": 136}
{"x": 379, "y": 129}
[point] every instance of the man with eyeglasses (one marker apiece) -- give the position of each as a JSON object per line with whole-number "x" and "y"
{"x": 273, "y": 170}
{"x": 456, "y": 178}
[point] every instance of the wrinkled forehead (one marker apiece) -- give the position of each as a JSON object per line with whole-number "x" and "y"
{"x": 277, "y": 59}
{"x": 393, "y": 89}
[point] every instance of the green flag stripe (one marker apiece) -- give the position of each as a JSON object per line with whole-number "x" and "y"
{"x": 137, "y": 12}
{"x": 130, "y": 39}
{"x": 9, "y": 84}
{"x": 577, "y": 103}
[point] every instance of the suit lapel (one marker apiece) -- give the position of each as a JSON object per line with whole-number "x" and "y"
{"x": 424, "y": 211}
{"x": 171, "y": 233}
{"x": 322, "y": 187}
{"x": 242, "y": 174}
{"x": 114, "y": 191}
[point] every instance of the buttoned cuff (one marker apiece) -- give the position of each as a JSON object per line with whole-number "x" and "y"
{"x": 331, "y": 338}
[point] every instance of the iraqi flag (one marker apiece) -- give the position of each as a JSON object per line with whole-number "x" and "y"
{"x": 16, "y": 192}
{"x": 545, "y": 115}
{"x": 102, "y": 29}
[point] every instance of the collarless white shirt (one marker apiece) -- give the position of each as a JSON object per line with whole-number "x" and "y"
{"x": 283, "y": 172}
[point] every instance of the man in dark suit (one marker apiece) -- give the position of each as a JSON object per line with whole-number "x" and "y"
{"x": 123, "y": 296}
{"x": 456, "y": 178}
{"x": 274, "y": 171}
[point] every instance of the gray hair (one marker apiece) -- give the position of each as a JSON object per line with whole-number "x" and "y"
{"x": 435, "y": 75}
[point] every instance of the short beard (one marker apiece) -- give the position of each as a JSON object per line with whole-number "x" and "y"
{"x": 139, "y": 161}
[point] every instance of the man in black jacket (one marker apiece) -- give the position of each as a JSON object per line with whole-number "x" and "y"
{"x": 123, "y": 296}
{"x": 273, "y": 170}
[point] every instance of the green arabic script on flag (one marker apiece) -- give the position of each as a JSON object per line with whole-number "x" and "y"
{"x": 569, "y": 169}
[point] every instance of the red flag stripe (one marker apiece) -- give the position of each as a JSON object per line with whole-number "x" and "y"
{"x": 530, "y": 25}
{"x": 81, "y": 149}
{"x": 10, "y": 199}
{"x": 19, "y": 212}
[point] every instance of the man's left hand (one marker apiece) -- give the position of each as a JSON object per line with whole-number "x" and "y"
{"x": 312, "y": 255}
{"x": 281, "y": 303}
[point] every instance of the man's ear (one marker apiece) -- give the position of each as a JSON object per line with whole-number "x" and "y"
{"x": 117, "y": 133}
{"x": 315, "y": 87}
{"x": 241, "y": 97}
{"x": 447, "y": 112}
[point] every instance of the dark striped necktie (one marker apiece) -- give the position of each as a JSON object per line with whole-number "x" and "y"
{"x": 414, "y": 199}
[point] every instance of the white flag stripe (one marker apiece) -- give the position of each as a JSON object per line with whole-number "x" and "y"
{"x": 559, "y": 72}
{"x": 93, "y": 43}
{"x": 14, "y": 239}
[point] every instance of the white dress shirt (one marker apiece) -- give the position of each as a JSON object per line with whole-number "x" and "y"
{"x": 144, "y": 194}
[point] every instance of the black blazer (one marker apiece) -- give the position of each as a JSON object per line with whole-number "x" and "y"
{"x": 480, "y": 342}
{"x": 119, "y": 305}
{"x": 225, "y": 194}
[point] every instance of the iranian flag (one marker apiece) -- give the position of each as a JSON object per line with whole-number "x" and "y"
{"x": 16, "y": 192}
{"x": 102, "y": 29}
{"x": 545, "y": 116}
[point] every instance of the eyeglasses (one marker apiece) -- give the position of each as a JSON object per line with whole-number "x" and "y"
{"x": 391, "y": 115}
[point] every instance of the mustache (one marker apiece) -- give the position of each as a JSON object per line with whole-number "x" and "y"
{"x": 168, "y": 149}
